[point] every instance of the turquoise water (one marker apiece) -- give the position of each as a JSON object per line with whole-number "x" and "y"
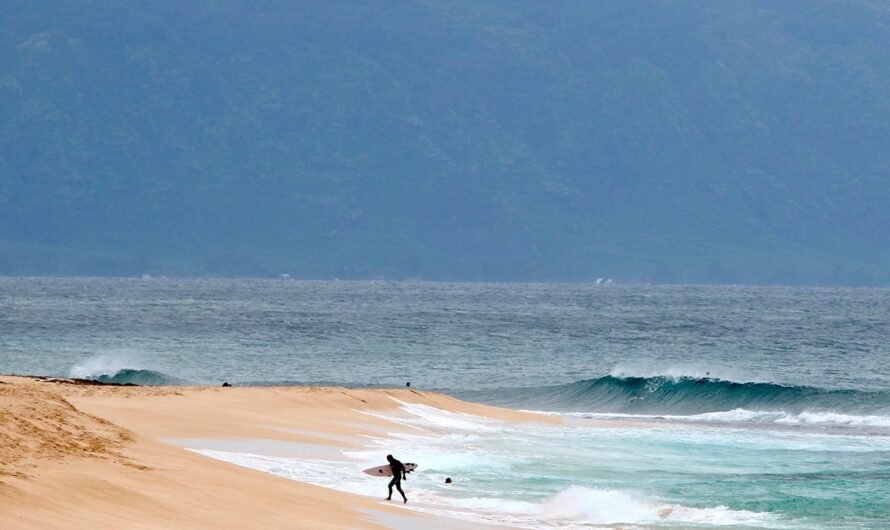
{"x": 581, "y": 475}
{"x": 742, "y": 407}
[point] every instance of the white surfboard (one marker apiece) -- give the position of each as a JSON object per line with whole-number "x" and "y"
{"x": 386, "y": 471}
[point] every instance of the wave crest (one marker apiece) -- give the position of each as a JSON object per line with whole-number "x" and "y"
{"x": 661, "y": 395}
{"x": 122, "y": 368}
{"x": 134, "y": 376}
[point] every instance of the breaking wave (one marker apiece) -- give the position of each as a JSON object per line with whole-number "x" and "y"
{"x": 121, "y": 369}
{"x": 137, "y": 377}
{"x": 687, "y": 396}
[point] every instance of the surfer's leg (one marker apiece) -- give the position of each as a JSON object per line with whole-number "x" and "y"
{"x": 391, "y": 482}
{"x": 399, "y": 487}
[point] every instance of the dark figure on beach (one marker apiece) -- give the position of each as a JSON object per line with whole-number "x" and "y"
{"x": 398, "y": 474}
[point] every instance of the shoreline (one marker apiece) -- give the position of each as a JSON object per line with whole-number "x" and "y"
{"x": 76, "y": 454}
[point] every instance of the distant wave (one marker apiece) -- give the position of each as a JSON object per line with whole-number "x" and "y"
{"x": 661, "y": 395}
{"x": 137, "y": 377}
{"x": 121, "y": 367}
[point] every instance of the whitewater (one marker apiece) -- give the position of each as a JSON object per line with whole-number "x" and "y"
{"x": 725, "y": 406}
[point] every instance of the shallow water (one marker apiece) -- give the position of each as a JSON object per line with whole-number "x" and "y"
{"x": 541, "y": 476}
{"x": 771, "y": 406}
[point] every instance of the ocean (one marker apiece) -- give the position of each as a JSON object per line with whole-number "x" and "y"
{"x": 732, "y": 407}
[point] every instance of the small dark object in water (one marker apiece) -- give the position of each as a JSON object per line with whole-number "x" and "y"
{"x": 448, "y": 480}
{"x": 408, "y": 383}
{"x": 226, "y": 384}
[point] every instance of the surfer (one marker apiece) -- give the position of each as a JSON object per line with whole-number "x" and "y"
{"x": 398, "y": 473}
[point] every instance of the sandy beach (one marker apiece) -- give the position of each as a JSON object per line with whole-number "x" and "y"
{"x": 86, "y": 456}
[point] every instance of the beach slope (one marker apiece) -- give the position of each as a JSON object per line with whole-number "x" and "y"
{"x": 75, "y": 455}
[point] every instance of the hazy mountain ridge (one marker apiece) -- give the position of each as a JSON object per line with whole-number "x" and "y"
{"x": 681, "y": 141}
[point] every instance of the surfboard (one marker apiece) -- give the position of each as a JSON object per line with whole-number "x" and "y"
{"x": 386, "y": 471}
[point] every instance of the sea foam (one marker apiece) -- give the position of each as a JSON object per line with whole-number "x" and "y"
{"x": 607, "y": 507}
{"x": 498, "y": 469}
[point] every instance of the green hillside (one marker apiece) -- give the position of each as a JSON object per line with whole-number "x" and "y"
{"x": 682, "y": 141}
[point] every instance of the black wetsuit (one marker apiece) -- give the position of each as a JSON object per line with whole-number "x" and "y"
{"x": 398, "y": 471}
